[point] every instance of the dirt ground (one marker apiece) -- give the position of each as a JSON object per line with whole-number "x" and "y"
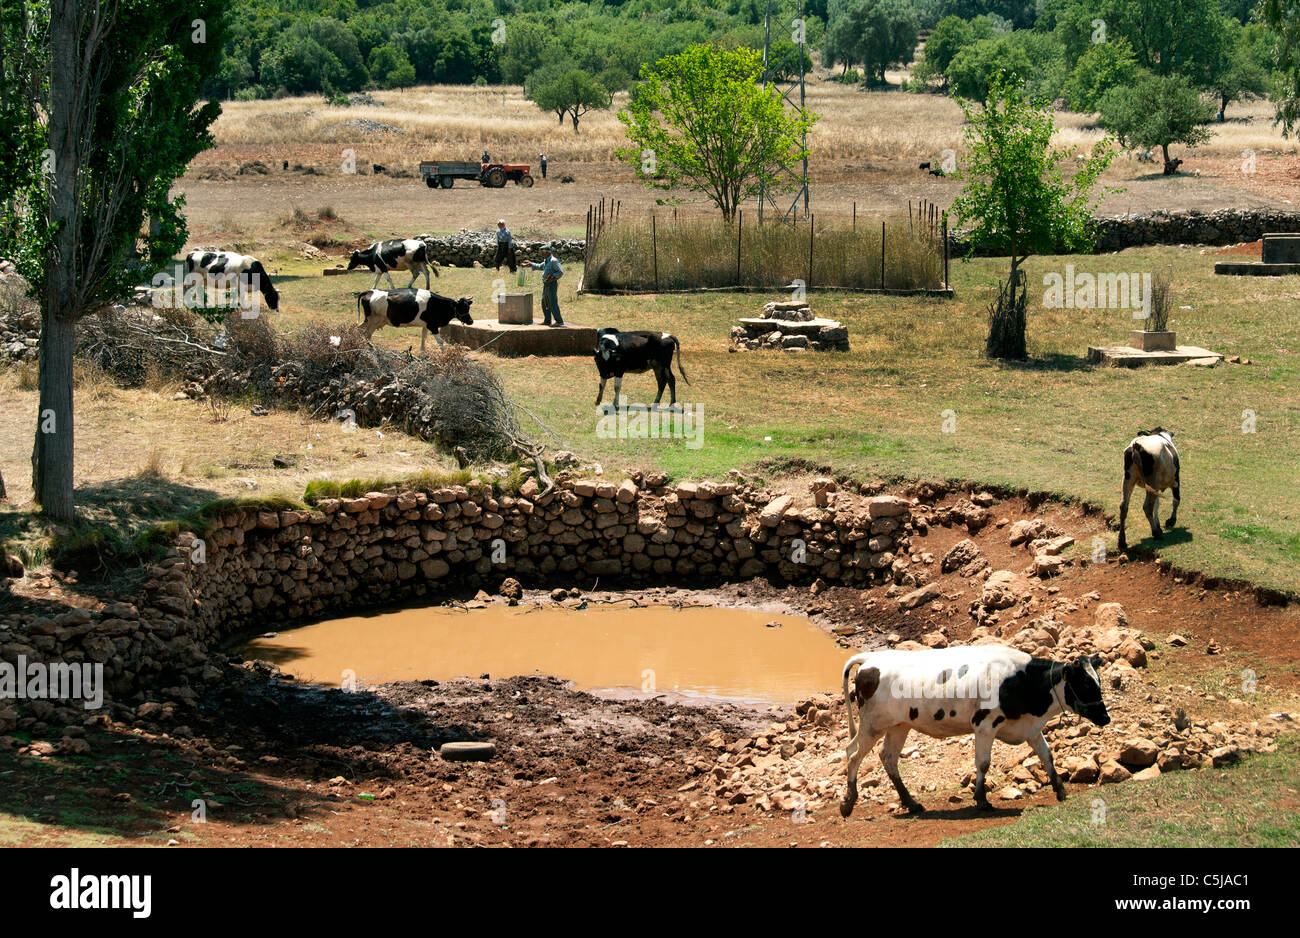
{"x": 224, "y": 212}
{"x": 276, "y": 763}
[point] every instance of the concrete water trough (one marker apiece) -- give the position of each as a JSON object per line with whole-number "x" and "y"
{"x": 1280, "y": 257}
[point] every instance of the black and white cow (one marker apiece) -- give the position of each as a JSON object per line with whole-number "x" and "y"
{"x": 618, "y": 353}
{"x": 992, "y": 691}
{"x": 1151, "y": 463}
{"x": 408, "y": 307}
{"x": 216, "y": 267}
{"x": 402, "y": 254}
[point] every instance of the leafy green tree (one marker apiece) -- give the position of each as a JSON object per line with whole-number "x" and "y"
{"x": 116, "y": 85}
{"x": 783, "y": 58}
{"x": 1157, "y": 111}
{"x": 567, "y": 90}
{"x": 390, "y": 67}
{"x": 971, "y": 72}
{"x": 949, "y": 36}
{"x": 1247, "y": 74}
{"x": 702, "y": 119}
{"x": 301, "y": 65}
{"x": 876, "y": 34}
{"x": 529, "y": 45}
{"x": 1283, "y": 18}
{"x": 1103, "y": 66}
{"x": 1017, "y": 199}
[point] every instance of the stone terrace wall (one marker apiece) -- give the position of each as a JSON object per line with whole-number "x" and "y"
{"x": 264, "y": 569}
{"x": 1223, "y": 227}
{"x": 462, "y": 250}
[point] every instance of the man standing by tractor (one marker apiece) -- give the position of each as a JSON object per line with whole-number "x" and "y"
{"x": 551, "y": 274}
{"x": 541, "y": 158}
{"x": 505, "y": 248}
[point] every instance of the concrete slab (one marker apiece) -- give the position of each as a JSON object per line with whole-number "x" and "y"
{"x": 1281, "y": 248}
{"x": 1255, "y": 269}
{"x": 500, "y": 338}
{"x": 809, "y": 327}
{"x": 1123, "y": 356}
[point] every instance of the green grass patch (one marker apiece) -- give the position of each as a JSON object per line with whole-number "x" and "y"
{"x": 1252, "y": 804}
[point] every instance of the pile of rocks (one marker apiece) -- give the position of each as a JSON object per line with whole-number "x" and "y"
{"x": 468, "y": 247}
{"x": 789, "y": 325}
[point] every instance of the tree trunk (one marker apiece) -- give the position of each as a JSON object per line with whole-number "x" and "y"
{"x": 53, "y": 450}
{"x": 1164, "y": 151}
{"x": 52, "y": 454}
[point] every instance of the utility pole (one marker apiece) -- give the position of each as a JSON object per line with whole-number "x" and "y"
{"x": 786, "y": 14}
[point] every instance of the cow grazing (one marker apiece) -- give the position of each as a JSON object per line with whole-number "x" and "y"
{"x": 1150, "y": 462}
{"x": 382, "y": 256}
{"x": 992, "y": 691}
{"x": 216, "y": 267}
{"x": 408, "y": 307}
{"x": 618, "y": 353}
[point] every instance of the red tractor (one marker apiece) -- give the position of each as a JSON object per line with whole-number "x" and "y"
{"x": 443, "y": 173}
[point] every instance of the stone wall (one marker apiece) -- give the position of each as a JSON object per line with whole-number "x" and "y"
{"x": 1223, "y": 227}
{"x": 265, "y": 569}
{"x": 462, "y": 250}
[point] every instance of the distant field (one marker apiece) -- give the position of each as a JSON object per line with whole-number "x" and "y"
{"x": 865, "y": 153}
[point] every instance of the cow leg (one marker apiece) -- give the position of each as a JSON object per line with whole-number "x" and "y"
{"x": 441, "y": 344}
{"x": 1150, "y": 505}
{"x": 659, "y": 379}
{"x": 856, "y": 751}
{"x": 1123, "y": 508}
{"x": 601, "y": 392}
{"x": 983, "y": 757}
{"x": 894, "y": 740}
{"x": 672, "y": 385}
{"x": 1173, "y": 515}
{"x": 415, "y": 272}
{"x": 1044, "y": 752}
{"x": 378, "y": 274}
{"x": 389, "y": 275}
{"x": 618, "y": 390}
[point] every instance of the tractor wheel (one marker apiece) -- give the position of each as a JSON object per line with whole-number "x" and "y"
{"x": 430, "y": 182}
{"x": 496, "y": 178}
{"x": 446, "y": 182}
{"x": 526, "y": 181}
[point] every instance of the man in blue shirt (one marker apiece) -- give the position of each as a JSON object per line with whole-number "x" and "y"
{"x": 551, "y": 274}
{"x": 505, "y": 248}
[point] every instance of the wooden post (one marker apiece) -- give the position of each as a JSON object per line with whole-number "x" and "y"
{"x": 882, "y": 254}
{"x": 740, "y": 225}
{"x": 945, "y": 250}
{"x": 654, "y": 247}
{"x": 811, "y": 221}
{"x": 855, "y": 214}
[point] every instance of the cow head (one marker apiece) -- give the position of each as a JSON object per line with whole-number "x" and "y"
{"x": 1083, "y": 690}
{"x": 359, "y": 259}
{"x": 606, "y": 344}
{"x": 462, "y": 309}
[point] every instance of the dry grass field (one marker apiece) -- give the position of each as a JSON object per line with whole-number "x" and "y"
{"x": 865, "y": 150}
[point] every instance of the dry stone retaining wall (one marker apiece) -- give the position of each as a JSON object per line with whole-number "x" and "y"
{"x": 263, "y": 569}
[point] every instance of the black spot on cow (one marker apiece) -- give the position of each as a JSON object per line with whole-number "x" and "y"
{"x": 913, "y": 713}
{"x": 952, "y": 713}
{"x": 998, "y": 719}
{"x": 938, "y": 714}
{"x": 961, "y": 672}
{"x": 1029, "y": 690}
{"x": 865, "y": 684}
{"x": 979, "y": 716}
{"x": 944, "y": 675}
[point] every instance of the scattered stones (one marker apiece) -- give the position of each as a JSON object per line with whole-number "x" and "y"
{"x": 959, "y": 555}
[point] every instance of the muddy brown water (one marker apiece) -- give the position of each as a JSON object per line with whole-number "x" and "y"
{"x": 727, "y": 653}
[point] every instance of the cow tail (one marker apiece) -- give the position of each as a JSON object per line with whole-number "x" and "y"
{"x": 848, "y": 700}
{"x": 360, "y": 318}
{"x": 680, "y": 369}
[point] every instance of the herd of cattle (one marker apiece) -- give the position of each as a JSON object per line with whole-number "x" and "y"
{"x": 994, "y": 692}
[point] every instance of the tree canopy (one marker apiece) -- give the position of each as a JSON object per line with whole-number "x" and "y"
{"x": 701, "y": 119}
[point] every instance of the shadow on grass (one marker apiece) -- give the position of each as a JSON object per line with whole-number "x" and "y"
{"x": 1053, "y": 362}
